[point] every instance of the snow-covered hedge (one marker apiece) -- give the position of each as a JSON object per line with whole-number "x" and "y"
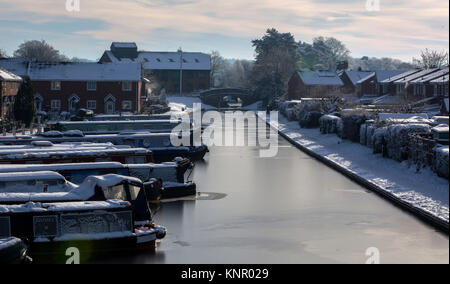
{"x": 310, "y": 119}
{"x": 329, "y": 124}
{"x": 441, "y": 161}
{"x": 378, "y": 140}
{"x": 397, "y": 139}
{"x": 351, "y": 126}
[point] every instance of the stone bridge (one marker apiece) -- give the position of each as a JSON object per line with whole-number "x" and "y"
{"x": 216, "y": 97}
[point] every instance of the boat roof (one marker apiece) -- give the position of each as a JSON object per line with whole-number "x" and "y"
{"x": 60, "y": 167}
{"x": 65, "y": 206}
{"x": 156, "y": 121}
{"x": 24, "y": 152}
{"x": 25, "y": 176}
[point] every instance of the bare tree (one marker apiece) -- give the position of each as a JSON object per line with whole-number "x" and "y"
{"x": 218, "y": 69}
{"x": 431, "y": 59}
{"x": 39, "y": 50}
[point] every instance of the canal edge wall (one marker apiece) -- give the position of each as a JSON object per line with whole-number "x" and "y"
{"x": 420, "y": 213}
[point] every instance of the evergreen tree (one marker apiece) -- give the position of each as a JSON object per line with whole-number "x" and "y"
{"x": 24, "y": 108}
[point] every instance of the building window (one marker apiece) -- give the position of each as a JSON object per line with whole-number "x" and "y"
{"x": 56, "y": 105}
{"x": 91, "y": 104}
{"x": 126, "y": 105}
{"x": 56, "y": 85}
{"x": 127, "y": 86}
{"x": 92, "y": 86}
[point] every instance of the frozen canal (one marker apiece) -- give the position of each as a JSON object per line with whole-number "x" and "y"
{"x": 287, "y": 209}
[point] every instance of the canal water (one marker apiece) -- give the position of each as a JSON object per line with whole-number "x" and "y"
{"x": 286, "y": 209}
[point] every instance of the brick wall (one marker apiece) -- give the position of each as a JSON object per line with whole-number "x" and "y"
{"x": 106, "y": 94}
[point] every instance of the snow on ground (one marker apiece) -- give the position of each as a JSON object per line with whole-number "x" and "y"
{"x": 423, "y": 189}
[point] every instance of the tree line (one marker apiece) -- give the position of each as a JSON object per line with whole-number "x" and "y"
{"x": 279, "y": 55}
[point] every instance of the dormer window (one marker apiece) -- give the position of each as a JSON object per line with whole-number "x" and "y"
{"x": 92, "y": 86}
{"x": 157, "y": 59}
{"x": 171, "y": 60}
{"x": 127, "y": 86}
{"x": 197, "y": 61}
{"x": 56, "y": 85}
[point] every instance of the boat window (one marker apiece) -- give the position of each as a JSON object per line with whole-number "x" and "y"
{"x": 135, "y": 160}
{"x": 99, "y": 160}
{"x": 116, "y": 192}
{"x": 134, "y": 191}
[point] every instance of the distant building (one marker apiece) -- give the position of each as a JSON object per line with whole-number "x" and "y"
{"x": 314, "y": 84}
{"x": 9, "y": 87}
{"x": 104, "y": 88}
{"x": 101, "y": 87}
{"x": 167, "y": 68}
{"x": 405, "y": 86}
{"x": 350, "y": 78}
{"x": 370, "y": 85}
{"x": 440, "y": 86}
{"x": 422, "y": 86}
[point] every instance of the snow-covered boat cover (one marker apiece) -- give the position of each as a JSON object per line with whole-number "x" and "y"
{"x": 9, "y": 242}
{"x": 83, "y": 192}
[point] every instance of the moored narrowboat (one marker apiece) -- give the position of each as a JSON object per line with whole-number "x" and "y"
{"x": 92, "y": 227}
{"x": 159, "y": 143}
{"x": 45, "y": 152}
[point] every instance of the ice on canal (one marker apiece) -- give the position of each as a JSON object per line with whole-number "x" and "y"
{"x": 286, "y": 209}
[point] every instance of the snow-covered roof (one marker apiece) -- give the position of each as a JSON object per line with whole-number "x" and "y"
{"x": 382, "y": 75}
{"x": 18, "y": 66}
{"x": 65, "y": 150}
{"x": 153, "y": 60}
{"x": 355, "y": 76}
{"x": 175, "y": 60}
{"x": 40, "y": 71}
{"x": 26, "y": 176}
{"x": 400, "y": 76}
{"x": 430, "y": 77}
{"x": 59, "y": 167}
{"x": 415, "y": 76}
{"x": 320, "y": 78}
{"x": 8, "y": 76}
{"x": 440, "y": 80}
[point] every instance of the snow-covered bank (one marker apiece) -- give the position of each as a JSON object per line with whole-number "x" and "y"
{"x": 422, "y": 192}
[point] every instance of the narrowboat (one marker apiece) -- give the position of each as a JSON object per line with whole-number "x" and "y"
{"x": 92, "y": 228}
{"x": 173, "y": 175}
{"x": 45, "y": 152}
{"x": 115, "y": 127}
{"x": 12, "y": 250}
{"x": 94, "y": 188}
{"x": 160, "y": 144}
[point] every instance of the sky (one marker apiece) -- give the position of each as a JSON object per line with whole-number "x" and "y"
{"x": 381, "y": 28}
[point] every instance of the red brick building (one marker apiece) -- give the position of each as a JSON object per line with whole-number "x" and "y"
{"x": 168, "y": 69}
{"x": 314, "y": 84}
{"x": 104, "y": 88}
{"x": 9, "y": 86}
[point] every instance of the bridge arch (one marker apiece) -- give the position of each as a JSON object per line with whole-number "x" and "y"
{"x": 216, "y": 97}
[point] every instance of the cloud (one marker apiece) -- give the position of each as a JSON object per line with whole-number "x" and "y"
{"x": 401, "y": 28}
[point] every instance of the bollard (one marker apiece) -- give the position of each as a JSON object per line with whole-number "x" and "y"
{"x": 23, "y": 129}
{"x": 14, "y": 130}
